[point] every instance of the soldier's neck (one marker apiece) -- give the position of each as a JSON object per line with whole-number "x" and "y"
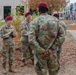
{"x": 8, "y": 25}
{"x": 27, "y": 20}
{"x": 43, "y": 14}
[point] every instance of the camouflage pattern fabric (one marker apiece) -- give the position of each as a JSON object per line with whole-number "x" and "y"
{"x": 24, "y": 27}
{"x": 46, "y": 32}
{"x": 8, "y": 43}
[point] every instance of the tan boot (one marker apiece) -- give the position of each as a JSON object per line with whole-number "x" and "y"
{"x": 4, "y": 71}
{"x": 23, "y": 64}
{"x": 10, "y": 70}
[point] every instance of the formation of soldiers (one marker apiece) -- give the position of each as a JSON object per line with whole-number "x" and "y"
{"x": 43, "y": 37}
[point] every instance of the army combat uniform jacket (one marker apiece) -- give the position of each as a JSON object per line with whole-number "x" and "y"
{"x": 8, "y": 44}
{"x": 24, "y": 27}
{"x": 8, "y": 38}
{"x": 46, "y": 33}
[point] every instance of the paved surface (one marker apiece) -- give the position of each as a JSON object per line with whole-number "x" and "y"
{"x": 73, "y": 33}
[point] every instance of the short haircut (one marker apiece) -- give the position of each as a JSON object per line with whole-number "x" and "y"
{"x": 43, "y": 9}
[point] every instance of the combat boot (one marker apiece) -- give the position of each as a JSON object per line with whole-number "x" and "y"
{"x": 4, "y": 69}
{"x": 23, "y": 64}
{"x": 10, "y": 69}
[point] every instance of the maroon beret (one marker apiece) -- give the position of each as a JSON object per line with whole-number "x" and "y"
{"x": 56, "y": 15}
{"x": 8, "y": 18}
{"x": 27, "y": 13}
{"x": 43, "y": 4}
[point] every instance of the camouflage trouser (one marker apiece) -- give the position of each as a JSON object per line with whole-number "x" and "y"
{"x": 42, "y": 64}
{"x": 24, "y": 48}
{"x": 8, "y": 52}
{"x": 58, "y": 52}
{"x": 58, "y": 55}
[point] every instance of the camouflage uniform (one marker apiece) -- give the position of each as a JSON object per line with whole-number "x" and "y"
{"x": 24, "y": 27}
{"x": 8, "y": 44}
{"x": 46, "y": 33}
{"x": 64, "y": 26}
{"x": 60, "y": 47}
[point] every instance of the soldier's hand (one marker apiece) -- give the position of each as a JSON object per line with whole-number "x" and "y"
{"x": 11, "y": 30}
{"x": 47, "y": 52}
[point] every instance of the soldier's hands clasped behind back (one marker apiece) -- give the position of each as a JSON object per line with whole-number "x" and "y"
{"x": 47, "y": 53}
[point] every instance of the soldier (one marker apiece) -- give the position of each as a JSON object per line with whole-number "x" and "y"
{"x": 61, "y": 22}
{"x": 65, "y": 28}
{"x": 24, "y": 27}
{"x": 46, "y": 34}
{"x": 8, "y": 33}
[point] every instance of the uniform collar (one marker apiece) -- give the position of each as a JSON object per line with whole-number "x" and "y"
{"x": 26, "y": 22}
{"x": 7, "y": 26}
{"x": 44, "y": 14}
